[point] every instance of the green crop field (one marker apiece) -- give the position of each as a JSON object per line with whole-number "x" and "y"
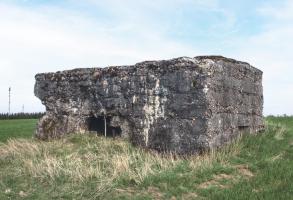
{"x": 17, "y": 128}
{"x": 90, "y": 167}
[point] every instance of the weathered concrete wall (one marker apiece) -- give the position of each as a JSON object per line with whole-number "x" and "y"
{"x": 235, "y": 99}
{"x": 183, "y": 105}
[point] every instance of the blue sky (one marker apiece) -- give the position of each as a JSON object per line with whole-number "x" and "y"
{"x": 42, "y": 36}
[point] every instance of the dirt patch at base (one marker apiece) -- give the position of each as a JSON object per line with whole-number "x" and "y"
{"x": 244, "y": 171}
{"x": 216, "y": 181}
{"x": 130, "y": 192}
{"x": 155, "y": 192}
{"x": 127, "y": 191}
{"x": 189, "y": 196}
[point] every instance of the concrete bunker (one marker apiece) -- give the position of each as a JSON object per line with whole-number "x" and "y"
{"x": 183, "y": 105}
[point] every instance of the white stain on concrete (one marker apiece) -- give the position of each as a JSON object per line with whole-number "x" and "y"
{"x": 134, "y": 99}
{"x": 105, "y": 83}
{"x": 153, "y": 109}
{"x": 105, "y": 86}
{"x": 205, "y": 89}
{"x": 75, "y": 110}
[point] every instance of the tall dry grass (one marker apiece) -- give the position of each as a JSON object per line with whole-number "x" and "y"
{"x": 81, "y": 158}
{"x": 206, "y": 160}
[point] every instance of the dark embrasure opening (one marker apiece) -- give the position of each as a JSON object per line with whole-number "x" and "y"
{"x": 243, "y": 128}
{"x": 97, "y": 125}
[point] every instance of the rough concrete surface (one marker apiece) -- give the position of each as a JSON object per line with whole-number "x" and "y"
{"x": 183, "y": 105}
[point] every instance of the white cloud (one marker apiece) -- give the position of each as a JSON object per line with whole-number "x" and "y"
{"x": 271, "y": 50}
{"x": 49, "y": 39}
{"x": 283, "y": 12}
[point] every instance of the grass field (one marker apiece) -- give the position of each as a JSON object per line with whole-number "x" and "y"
{"x": 17, "y": 128}
{"x": 90, "y": 167}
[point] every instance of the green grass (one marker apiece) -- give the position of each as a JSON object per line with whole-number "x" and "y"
{"x": 88, "y": 167}
{"x": 17, "y": 128}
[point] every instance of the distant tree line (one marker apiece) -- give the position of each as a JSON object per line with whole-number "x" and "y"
{"x": 35, "y": 115}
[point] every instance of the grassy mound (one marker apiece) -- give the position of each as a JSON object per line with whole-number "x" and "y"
{"x": 90, "y": 167}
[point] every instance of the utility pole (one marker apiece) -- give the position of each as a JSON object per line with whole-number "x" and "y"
{"x": 22, "y": 108}
{"x": 9, "y": 101}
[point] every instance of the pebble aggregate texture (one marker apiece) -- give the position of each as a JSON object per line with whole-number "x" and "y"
{"x": 183, "y": 105}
